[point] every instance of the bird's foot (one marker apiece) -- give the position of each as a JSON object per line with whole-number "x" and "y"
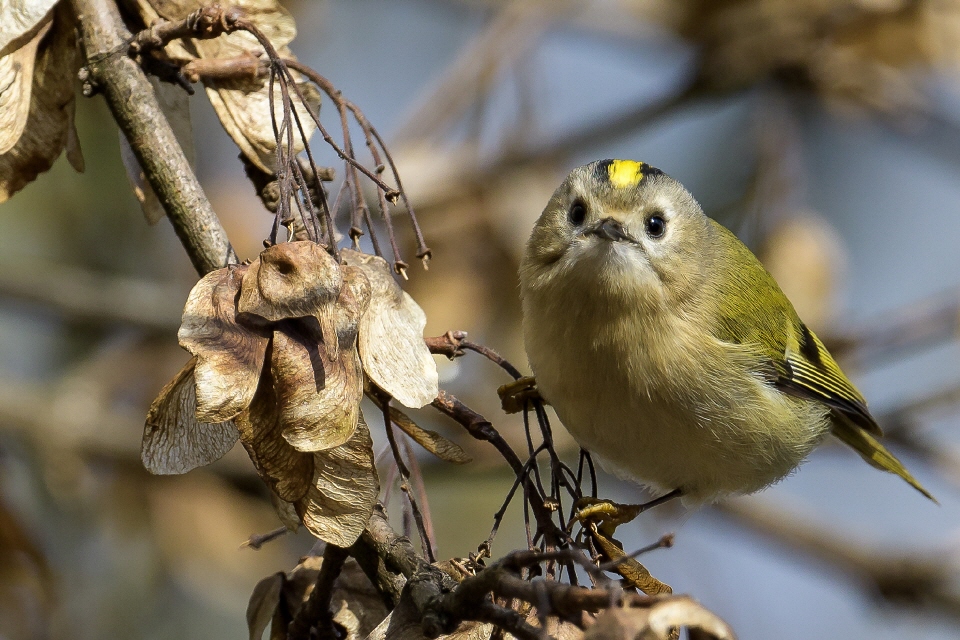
{"x": 609, "y": 515}
{"x": 514, "y": 395}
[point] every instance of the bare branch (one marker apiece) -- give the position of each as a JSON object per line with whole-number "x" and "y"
{"x": 133, "y": 103}
{"x": 316, "y": 612}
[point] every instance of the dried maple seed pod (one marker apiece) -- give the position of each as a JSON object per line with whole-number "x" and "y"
{"x": 290, "y": 280}
{"x": 229, "y": 354}
{"x": 173, "y": 440}
{"x": 392, "y": 349}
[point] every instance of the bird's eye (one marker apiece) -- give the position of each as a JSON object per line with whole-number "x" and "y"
{"x": 656, "y": 226}
{"x": 577, "y": 213}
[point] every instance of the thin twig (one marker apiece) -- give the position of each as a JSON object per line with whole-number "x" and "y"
{"x": 425, "y": 538}
{"x": 257, "y": 540}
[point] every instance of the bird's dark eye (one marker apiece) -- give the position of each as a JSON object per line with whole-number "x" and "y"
{"x": 656, "y": 226}
{"x": 577, "y": 213}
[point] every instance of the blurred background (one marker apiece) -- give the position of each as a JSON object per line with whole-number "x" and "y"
{"x": 826, "y": 133}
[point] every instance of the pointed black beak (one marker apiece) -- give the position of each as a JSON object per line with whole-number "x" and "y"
{"x": 610, "y": 229}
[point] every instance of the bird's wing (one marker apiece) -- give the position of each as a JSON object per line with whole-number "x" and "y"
{"x": 809, "y": 371}
{"x": 754, "y": 312}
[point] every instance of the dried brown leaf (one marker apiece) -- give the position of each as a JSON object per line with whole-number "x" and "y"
{"x": 242, "y": 105}
{"x": 173, "y": 440}
{"x": 300, "y": 583}
{"x": 229, "y": 355}
{"x": 281, "y": 622}
{"x": 263, "y": 604}
{"x": 632, "y": 571}
{"x": 404, "y": 623}
{"x": 392, "y": 349}
{"x": 658, "y": 622}
{"x": 430, "y": 440}
{"x": 285, "y": 470}
{"x": 290, "y": 280}
{"x": 344, "y": 490}
{"x": 356, "y": 604}
{"x": 352, "y": 304}
{"x": 19, "y": 18}
{"x": 286, "y": 511}
{"x": 48, "y": 128}
{"x": 16, "y": 80}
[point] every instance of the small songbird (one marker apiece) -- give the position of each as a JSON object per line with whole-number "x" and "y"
{"x": 666, "y": 348}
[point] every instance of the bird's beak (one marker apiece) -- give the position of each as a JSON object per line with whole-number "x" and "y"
{"x": 609, "y": 229}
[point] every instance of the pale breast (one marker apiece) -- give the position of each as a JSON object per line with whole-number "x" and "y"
{"x": 672, "y": 409}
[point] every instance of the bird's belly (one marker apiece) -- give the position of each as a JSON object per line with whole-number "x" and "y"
{"x": 691, "y": 431}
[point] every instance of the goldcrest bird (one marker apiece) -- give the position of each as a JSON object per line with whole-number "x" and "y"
{"x": 666, "y": 348}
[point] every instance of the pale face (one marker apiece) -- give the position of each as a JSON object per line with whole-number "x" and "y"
{"x": 620, "y": 227}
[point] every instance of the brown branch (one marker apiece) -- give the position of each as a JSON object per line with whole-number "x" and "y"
{"x": 447, "y": 345}
{"x": 503, "y": 580}
{"x": 132, "y": 100}
{"x": 315, "y": 612}
{"x": 257, "y": 540}
{"x": 477, "y": 426}
{"x": 205, "y": 23}
{"x": 240, "y": 67}
{"x": 383, "y": 401}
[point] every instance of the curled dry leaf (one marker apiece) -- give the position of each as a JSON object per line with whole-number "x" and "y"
{"x": 392, "y": 349}
{"x": 356, "y": 604}
{"x": 286, "y": 471}
{"x": 344, "y": 490}
{"x": 173, "y": 440}
{"x": 658, "y": 621}
{"x": 263, "y": 603}
{"x": 629, "y": 569}
{"x": 430, "y": 440}
{"x": 404, "y": 623}
{"x": 286, "y": 512}
{"x": 229, "y": 355}
{"x": 243, "y": 105}
{"x": 16, "y": 80}
{"x": 46, "y": 127}
{"x": 290, "y": 280}
{"x": 20, "y": 17}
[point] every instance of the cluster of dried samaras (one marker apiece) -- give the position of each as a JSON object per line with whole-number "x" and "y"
{"x": 280, "y": 347}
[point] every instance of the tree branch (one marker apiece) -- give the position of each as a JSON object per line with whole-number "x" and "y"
{"x": 134, "y": 106}
{"x": 315, "y": 612}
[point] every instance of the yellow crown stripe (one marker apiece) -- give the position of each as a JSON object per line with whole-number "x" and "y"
{"x": 625, "y": 173}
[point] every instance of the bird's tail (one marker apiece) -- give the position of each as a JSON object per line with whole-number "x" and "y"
{"x": 875, "y": 453}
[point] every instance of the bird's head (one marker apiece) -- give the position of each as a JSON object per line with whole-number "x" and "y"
{"x": 620, "y": 228}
